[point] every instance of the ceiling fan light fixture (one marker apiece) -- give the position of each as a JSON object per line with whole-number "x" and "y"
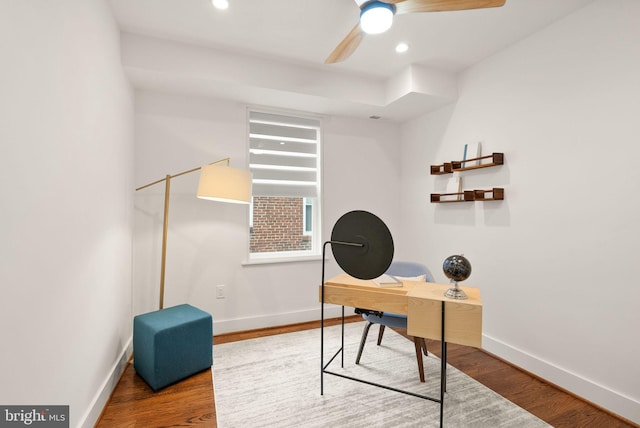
{"x": 220, "y": 4}
{"x": 376, "y": 17}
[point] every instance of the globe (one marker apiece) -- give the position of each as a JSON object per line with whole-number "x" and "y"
{"x": 456, "y": 268}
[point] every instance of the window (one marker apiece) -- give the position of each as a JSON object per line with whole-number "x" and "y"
{"x": 307, "y": 219}
{"x": 284, "y": 158}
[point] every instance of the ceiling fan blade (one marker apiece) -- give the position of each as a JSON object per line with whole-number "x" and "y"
{"x": 346, "y": 46}
{"x": 415, "y": 6}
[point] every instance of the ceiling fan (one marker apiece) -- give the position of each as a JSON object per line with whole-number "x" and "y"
{"x": 377, "y": 16}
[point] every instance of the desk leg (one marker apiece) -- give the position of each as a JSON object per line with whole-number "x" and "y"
{"x": 322, "y": 343}
{"x": 342, "y": 343}
{"x": 444, "y": 358}
{"x": 324, "y": 248}
{"x": 443, "y": 368}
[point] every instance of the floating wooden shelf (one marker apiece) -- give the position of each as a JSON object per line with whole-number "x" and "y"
{"x": 457, "y": 166}
{"x": 497, "y": 194}
{"x": 445, "y": 168}
{"x": 466, "y": 196}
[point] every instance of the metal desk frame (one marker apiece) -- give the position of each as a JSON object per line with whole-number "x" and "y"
{"x": 324, "y": 367}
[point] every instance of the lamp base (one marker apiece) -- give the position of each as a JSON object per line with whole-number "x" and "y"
{"x": 455, "y": 293}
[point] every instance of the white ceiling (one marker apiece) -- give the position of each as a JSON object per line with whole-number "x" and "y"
{"x": 299, "y": 34}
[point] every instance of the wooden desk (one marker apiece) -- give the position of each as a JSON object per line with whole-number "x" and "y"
{"x": 429, "y": 314}
{"x": 420, "y": 301}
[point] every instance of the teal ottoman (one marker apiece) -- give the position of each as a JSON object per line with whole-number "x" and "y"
{"x": 172, "y": 344}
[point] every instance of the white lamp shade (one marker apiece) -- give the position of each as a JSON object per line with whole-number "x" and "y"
{"x": 224, "y": 184}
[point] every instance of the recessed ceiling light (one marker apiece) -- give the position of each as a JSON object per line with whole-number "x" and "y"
{"x": 402, "y": 47}
{"x": 220, "y": 4}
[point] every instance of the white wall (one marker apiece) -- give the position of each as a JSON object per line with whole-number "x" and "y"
{"x": 555, "y": 261}
{"x": 207, "y": 241}
{"x": 66, "y": 182}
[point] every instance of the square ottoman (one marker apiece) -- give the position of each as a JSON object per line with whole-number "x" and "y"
{"x": 171, "y": 344}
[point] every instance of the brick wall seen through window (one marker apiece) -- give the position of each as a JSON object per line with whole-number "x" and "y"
{"x": 278, "y": 225}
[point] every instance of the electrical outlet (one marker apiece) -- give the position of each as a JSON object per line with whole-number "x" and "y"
{"x": 220, "y": 292}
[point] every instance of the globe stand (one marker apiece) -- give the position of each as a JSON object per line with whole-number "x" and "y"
{"x": 455, "y": 292}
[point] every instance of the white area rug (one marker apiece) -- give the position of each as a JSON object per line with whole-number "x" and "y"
{"x": 275, "y": 382}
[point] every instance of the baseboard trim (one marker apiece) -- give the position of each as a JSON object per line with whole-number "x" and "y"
{"x": 91, "y": 417}
{"x": 606, "y": 399}
{"x": 275, "y": 320}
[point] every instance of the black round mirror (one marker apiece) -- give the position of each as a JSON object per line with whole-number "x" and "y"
{"x": 373, "y": 257}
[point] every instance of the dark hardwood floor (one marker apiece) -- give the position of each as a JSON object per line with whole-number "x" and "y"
{"x": 184, "y": 404}
{"x": 192, "y": 403}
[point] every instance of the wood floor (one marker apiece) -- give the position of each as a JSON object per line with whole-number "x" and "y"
{"x": 134, "y": 404}
{"x": 192, "y": 403}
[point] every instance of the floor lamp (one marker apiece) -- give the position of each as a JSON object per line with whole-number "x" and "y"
{"x": 217, "y": 183}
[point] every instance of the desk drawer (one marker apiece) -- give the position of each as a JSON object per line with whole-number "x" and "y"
{"x": 366, "y": 298}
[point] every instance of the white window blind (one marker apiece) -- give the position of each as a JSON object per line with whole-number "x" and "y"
{"x": 284, "y": 155}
